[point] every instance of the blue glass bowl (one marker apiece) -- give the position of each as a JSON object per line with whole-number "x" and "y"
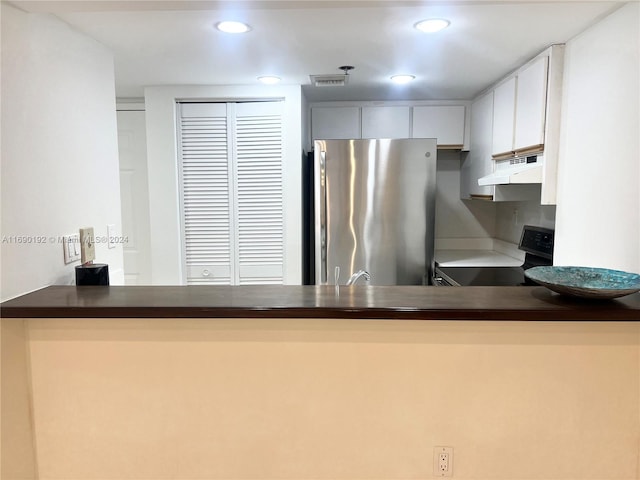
{"x": 586, "y": 282}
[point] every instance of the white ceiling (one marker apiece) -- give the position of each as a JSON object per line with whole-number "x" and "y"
{"x": 174, "y": 42}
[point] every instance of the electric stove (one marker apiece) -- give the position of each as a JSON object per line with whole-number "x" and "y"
{"x": 536, "y": 242}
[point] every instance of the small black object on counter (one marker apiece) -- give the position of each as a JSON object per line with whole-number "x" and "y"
{"x": 93, "y": 274}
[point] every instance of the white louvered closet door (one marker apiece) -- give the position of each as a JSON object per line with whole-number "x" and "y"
{"x": 206, "y": 191}
{"x": 258, "y": 171}
{"x": 231, "y": 189}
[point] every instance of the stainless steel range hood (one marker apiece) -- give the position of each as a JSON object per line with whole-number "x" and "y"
{"x": 515, "y": 171}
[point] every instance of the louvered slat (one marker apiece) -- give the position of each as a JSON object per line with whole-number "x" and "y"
{"x": 260, "y": 280}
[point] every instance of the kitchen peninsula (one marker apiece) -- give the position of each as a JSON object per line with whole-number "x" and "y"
{"x": 365, "y": 302}
{"x": 309, "y": 382}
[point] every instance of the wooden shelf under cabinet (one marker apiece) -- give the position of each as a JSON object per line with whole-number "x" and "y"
{"x": 520, "y": 152}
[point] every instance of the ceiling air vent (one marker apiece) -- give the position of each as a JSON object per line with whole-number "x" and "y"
{"x": 333, "y": 80}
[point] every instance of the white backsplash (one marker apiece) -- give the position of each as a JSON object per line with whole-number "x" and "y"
{"x": 464, "y": 224}
{"x": 512, "y": 216}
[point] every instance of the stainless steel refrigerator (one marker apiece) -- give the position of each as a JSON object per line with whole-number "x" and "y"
{"x": 374, "y": 210}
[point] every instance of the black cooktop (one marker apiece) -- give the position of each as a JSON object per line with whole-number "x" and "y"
{"x": 482, "y": 276}
{"x": 537, "y": 242}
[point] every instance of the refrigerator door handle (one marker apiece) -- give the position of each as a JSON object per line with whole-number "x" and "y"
{"x": 324, "y": 269}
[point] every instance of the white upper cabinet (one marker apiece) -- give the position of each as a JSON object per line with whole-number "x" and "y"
{"x": 386, "y": 122}
{"x": 331, "y": 123}
{"x": 504, "y": 106}
{"x": 530, "y": 106}
{"x": 526, "y": 117}
{"x": 519, "y": 111}
{"x": 478, "y": 162}
{"x": 445, "y": 123}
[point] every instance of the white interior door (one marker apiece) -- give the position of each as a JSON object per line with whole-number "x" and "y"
{"x": 134, "y": 194}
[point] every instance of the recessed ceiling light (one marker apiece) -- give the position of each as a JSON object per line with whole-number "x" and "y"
{"x": 233, "y": 27}
{"x": 269, "y": 79}
{"x": 432, "y": 25}
{"x": 401, "y": 79}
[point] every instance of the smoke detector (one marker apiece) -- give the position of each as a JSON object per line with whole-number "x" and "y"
{"x": 332, "y": 80}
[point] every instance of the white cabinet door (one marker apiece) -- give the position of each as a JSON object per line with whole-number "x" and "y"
{"x": 531, "y": 101}
{"x": 519, "y": 110}
{"x": 478, "y": 162}
{"x": 504, "y": 105}
{"x": 385, "y": 122}
{"x": 330, "y": 123}
{"x": 445, "y": 123}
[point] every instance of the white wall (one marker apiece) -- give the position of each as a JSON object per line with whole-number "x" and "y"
{"x": 512, "y": 216}
{"x": 306, "y": 124}
{"x": 163, "y": 172}
{"x": 458, "y": 219}
{"x": 59, "y": 149}
{"x": 599, "y": 171}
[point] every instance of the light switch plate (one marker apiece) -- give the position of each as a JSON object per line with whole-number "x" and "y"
{"x": 87, "y": 245}
{"x": 71, "y": 247}
{"x": 111, "y": 235}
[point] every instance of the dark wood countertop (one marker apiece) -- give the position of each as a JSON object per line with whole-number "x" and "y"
{"x": 406, "y": 302}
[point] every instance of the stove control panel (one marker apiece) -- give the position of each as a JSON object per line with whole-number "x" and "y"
{"x": 537, "y": 241}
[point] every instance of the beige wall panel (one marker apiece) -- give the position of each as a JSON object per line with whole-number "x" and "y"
{"x": 17, "y": 454}
{"x": 334, "y": 399}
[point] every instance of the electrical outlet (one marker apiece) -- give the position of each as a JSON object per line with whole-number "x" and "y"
{"x": 443, "y": 461}
{"x": 87, "y": 245}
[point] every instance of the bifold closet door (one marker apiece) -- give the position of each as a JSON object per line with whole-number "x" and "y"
{"x": 231, "y": 192}
{"x": 258, "y": 172}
